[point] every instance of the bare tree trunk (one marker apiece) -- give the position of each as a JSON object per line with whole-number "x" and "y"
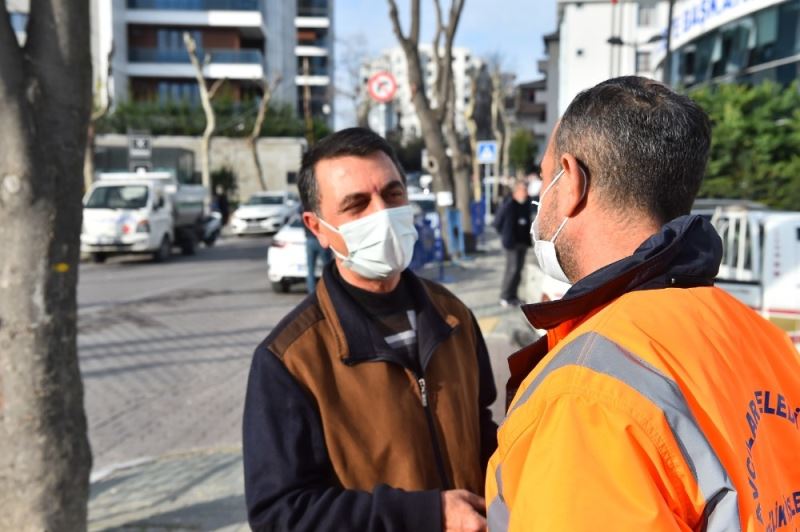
{"x": 472, "y": 128}
{"x": 267, "y": 89}
{"x": 432, "y": 119}
{"x": 309, "y": 119}
{"x": 497, "y": 126}
{"x": 45, "y": 102}
{"x": 206, "y": 95}
{"x": 362, "y": 112}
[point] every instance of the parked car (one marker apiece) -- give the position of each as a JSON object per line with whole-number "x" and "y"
{"x": 286, "y": 257}
{"x": 264, "y": 212}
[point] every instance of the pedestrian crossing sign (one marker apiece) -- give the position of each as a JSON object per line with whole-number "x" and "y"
{"x": 487, "y": 151}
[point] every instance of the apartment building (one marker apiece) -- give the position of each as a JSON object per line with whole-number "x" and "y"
{"x": 314, "y": 57}
{"x": 150, "y": 61}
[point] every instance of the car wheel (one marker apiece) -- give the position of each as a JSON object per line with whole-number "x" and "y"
{"x": 164, "y": 250}
{"x": 281, "y": 287}
{"x": 99, "y": 258}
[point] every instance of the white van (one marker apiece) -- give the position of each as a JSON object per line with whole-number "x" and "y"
{"x": 148, "y": 212}
{"x": 761, "y": 262}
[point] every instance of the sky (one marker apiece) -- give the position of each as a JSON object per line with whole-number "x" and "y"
{"x": 511, "y": 28}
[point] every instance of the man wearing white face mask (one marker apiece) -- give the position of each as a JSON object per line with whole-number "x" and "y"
{"x": 647, "y": 406}
{"x": 368, "y": 405}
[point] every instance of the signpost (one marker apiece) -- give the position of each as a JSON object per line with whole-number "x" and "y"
{"x": 487, "y": 156}
{"x": 140, "y": 151}
{"x": 382, "y": 88}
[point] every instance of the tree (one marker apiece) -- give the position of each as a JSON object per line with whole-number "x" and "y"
{"x": 522, "y": 151}
{"x": 755, "y": 149}
{"x": 206, "y": 95}
{"x": 437, "y": 113}
{"x": 45, "y": 102}
{"x": 351, "y": 57}
{"x": 267, "y": 88}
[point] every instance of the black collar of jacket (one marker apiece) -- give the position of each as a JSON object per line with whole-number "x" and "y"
{"x": 360, "y": 340}
{"x": 685, "y": 253}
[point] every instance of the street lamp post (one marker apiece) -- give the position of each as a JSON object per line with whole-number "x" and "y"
{"x": 668, "y": 58}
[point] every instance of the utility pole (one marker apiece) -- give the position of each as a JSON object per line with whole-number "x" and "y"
{"x": 668, "y": 59}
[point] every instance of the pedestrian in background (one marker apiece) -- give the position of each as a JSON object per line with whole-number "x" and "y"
{"x": 315, "y": 253}
{"x": 368, "y": 405}
{"x": 656, "y": 401}
{"x": 513, "y": 223}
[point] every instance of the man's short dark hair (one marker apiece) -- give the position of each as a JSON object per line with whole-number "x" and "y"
{"x": 645, "y": 146}
{"x": 354, "y": 141}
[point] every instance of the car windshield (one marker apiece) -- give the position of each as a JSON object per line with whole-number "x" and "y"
{"x": 265, "y": 200}
{"x": 118, "y": 197}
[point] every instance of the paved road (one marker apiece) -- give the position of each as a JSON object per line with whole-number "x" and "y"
{"x": 165, "y": 348}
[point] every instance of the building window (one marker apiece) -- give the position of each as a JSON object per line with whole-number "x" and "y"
{"x": 646, "y": 16}
{"x": 642, "y": 61}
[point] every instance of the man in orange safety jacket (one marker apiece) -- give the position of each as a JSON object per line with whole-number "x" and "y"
{"x": 657, "y": 401}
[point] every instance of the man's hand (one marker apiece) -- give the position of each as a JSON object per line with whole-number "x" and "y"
{"x": 463, "y": 511}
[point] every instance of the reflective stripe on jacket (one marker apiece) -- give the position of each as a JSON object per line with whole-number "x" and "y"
{"x": 656, "y": 409}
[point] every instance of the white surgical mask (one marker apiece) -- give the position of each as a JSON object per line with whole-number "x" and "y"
{"x": 379, "y": 245}
{"x": 545, "y": 250}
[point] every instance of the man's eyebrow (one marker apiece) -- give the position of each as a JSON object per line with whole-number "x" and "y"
{"x": 393, "y": 185}
{"x": 353, "y": 199}
{"x": 356, "y": 197}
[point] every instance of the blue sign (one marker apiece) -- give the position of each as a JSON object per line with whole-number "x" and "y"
{"x": 477, "y": 211}
{"x": 487, "y": 151}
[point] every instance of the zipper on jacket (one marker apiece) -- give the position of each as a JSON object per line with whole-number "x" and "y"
{"x": 437, "y": 450}
{"x": 423, "y": 392}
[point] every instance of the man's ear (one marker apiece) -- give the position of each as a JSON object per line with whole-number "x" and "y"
{"x": 572, "y": 192}
{"x": 312, "y": 222}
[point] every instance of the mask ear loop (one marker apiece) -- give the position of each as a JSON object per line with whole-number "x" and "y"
{"x": 583, "y": 197}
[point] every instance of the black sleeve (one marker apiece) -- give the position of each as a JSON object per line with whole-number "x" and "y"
{"x": 500, "y": 216}
{"x": 486, "y": 397}
{"x": 289, "y": 480}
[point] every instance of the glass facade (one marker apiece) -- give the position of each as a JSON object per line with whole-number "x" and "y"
{"x": 764, "y": 45}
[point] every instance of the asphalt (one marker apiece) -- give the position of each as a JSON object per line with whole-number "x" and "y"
{"x": 203, "y": 489}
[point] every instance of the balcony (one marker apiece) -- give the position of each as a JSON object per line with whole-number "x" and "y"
{"x": 196, "y": 5}
{"x": 243, "y": 14}
{"x": 157, "y": 55}
{"x": 174, "y": 63}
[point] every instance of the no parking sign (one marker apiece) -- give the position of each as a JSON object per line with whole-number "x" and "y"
{"x": 382, "y": 87}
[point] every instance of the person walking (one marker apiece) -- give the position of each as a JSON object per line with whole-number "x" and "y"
{"x": 656, "y": 401}
{"x": 315, "y": 253}
{"x": 513, "y": 223}
{"x": 368, "y": 406}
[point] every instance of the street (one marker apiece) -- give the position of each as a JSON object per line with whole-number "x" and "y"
{"x": 165, "y": 348}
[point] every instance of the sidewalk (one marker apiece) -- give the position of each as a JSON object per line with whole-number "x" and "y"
{"x": 203, "y": 490}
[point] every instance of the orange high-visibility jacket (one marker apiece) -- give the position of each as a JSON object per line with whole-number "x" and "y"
{"x": 670, "y": 406}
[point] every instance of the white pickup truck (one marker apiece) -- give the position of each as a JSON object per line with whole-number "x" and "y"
{"x": 147, "y": 212}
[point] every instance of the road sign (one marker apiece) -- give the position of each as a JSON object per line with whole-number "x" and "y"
{"x": 139, "y": 146}
{"x": 382, "y": 87}
{"x": 487, "y": 151}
